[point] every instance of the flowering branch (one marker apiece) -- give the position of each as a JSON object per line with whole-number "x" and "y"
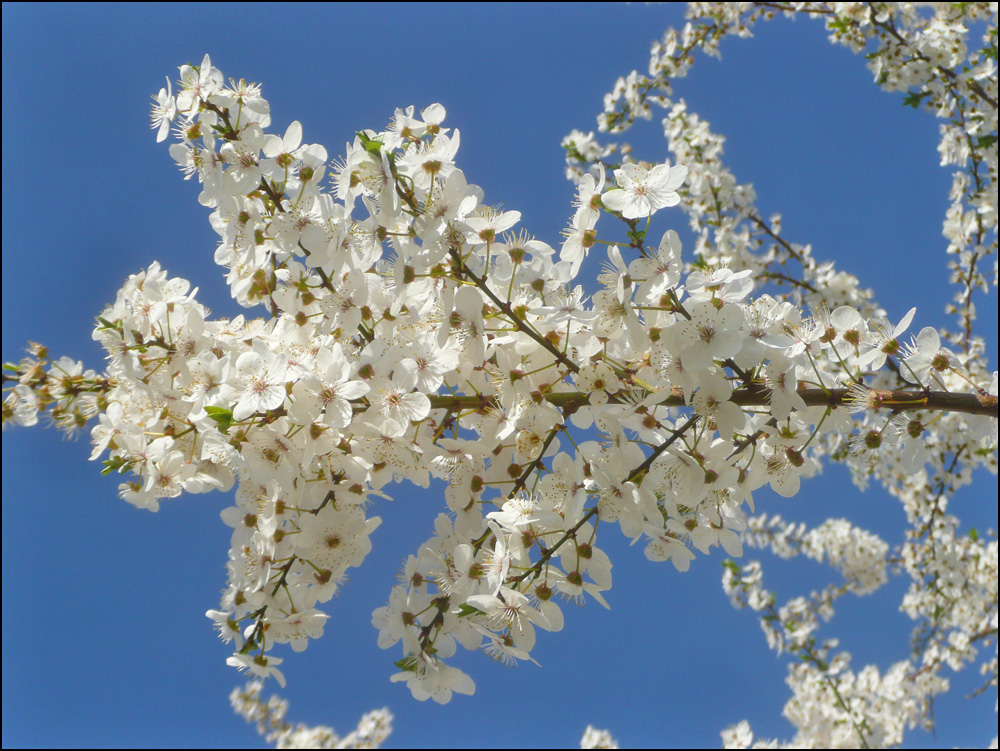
{"x": 389, "y": 351}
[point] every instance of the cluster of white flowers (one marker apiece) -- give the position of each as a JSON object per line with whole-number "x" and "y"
{"x": 462, "y": 354}
{"x": 830, "y": 705}
{"x": 594, "y": 738}
{"x": 924, "y": 52}
{"x": 412, "y": 331}
{"x": 371, "y": 732}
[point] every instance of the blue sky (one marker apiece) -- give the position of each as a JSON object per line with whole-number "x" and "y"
{"x": 105, "y": 642}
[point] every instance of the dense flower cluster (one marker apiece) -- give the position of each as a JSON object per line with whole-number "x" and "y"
{"x": 926, "y": 53}
{"x": 412, "y": 331}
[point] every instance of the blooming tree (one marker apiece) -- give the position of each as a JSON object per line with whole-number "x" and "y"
{"x": 401, "y": 329}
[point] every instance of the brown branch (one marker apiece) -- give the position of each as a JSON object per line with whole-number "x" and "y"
{"x": 513, "y": 317}
{"x": 760, "y": 396}
{"x": 640, "y": 471}
{"x": 754, "y": 217}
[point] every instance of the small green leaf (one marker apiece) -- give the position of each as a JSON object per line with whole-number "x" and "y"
{"x": 914, "y": 98}
{"x": 838, "y": 24}
{"x": 636, "y": 236}
{"x": 371, "y": 145}
{"x": 221, "y": 415}
{"x": 115, "y": 464}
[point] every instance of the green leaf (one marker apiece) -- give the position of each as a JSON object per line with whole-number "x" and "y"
{"x": 914, "y": 98}
{"x": 115, "y": 464}
{"x": 732, "y": 566}
{"x": 371, "y": 145}
{"x": 637, "y": 236}
{"x": 221, "y": 415}
{"x": 838, "y": 24}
